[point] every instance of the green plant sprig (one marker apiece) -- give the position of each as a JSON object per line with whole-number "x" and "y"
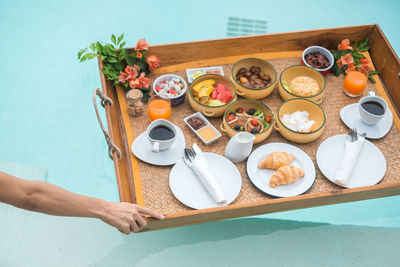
{"x": 114, "y": 56}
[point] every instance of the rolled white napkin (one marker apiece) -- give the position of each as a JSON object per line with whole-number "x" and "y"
{"x": 200, "y": 167}
{"x": 351, "y": 152}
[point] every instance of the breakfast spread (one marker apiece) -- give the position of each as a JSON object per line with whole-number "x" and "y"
{"x": 286, "y": 175}
{"x": 253, "y": 78}
{"x": 302, "y": 86}
{"x": 298, "y": 121}
{"x": 276, "y": 160}
{"x": 250, "y": 119}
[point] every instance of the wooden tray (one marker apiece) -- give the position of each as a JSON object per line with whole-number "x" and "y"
{"x": 147, "y": 185}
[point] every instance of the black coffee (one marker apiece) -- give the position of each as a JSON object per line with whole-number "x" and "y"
{"x": 161, "y": 132}
{"x": 373, "y": 107}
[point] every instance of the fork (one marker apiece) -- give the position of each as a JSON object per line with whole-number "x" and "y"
{"x": 189, "y": 155}
{"x": 354, "y": 135}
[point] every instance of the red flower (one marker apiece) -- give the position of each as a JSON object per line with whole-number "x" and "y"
{"x": 142, "y": 45}
{"x": 138, "y": 54}
{"x": 153, "y": 62}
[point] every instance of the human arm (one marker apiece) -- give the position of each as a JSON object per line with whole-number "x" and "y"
{"x": 50, "y": 199}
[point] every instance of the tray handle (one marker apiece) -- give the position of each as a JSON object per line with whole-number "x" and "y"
{"x": 105, "y": 100}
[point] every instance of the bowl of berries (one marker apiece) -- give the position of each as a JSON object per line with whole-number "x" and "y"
{"x": 248, "y": 115}
{"x": 171, "y": 86}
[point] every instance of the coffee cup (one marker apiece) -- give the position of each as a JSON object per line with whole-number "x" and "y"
{"x": 161, "y": 134}
{"x": 372, "y": 109}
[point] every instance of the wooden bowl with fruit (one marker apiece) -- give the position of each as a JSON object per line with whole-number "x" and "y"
{"x": 210, "y": 94}
{"x": 254, "y": 78}
{"x": 248, "y": 115}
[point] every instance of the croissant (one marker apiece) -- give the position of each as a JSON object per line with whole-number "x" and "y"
{"x": 285, "y": 175}
{"x": 275, "y": 160}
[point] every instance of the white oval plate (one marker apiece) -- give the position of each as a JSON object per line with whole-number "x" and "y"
{"x": 260, "y": 177}
{"x": 350, "y": 115}
{"x": 187, "y": 188}
{"x": 369, "y": 168}
{"x": 141, "y": 148}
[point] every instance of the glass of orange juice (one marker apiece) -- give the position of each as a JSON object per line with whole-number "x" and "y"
{"x": 159, "y": 108}
{"x": 354, "y": 83}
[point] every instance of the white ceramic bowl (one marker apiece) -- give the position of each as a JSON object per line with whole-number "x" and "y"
{"x": 175, "y": 100}
{"x": 323, "y": 51}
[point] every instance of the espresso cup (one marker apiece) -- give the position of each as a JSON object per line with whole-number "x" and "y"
{"x": 161, "y": 134}
{"x": 369, "y": 115}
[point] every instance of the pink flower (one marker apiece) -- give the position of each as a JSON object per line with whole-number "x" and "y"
{"x": 153, "y": 62}
{"x": 138, "y": 54}
{"x": 129, "y": 74}
{"x": 142, "y": 45}
{"x": 345, "y": 44}
{"x": 144, "y": 81}
{"x": 134, "y": 83}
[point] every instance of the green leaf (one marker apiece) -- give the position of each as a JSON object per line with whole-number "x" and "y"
{"x": 84, "y": 58}
{"x": 372, "y": 79}
{"x": 91, "y": 56}
{"x": 120, "y": 39}
{"x": 93, "y": 47}
{"x": 122, "y": 55}
{"x": 122, "y": 45}
{"x": 99, "y": 48}
{"x": 362, "y": 46}
{"x": 130, "y": 60}
{"x": 112, "y": 60}
{"x": 373, "y": 72}
{"x": 113, "y": 39}
{"x": 81, "y": 52}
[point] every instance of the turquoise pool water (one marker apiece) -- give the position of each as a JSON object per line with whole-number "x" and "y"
{"x": 48, "y": 122}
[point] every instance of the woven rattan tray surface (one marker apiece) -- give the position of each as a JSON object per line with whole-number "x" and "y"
{"x": 155, "y": 180}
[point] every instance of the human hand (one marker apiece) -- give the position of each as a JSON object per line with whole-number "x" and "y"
{"x": 127, "y": 217}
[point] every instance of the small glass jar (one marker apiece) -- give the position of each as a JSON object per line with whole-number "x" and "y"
{"x": 134, "y": 102}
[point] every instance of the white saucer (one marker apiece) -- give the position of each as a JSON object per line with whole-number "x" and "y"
{"x": 350, "y": 115}
{"x": 141, "y": 148}
{"x": 187, "y": 188}
{"x": 260, "y": 177}
{"x": 369, "y": 168}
